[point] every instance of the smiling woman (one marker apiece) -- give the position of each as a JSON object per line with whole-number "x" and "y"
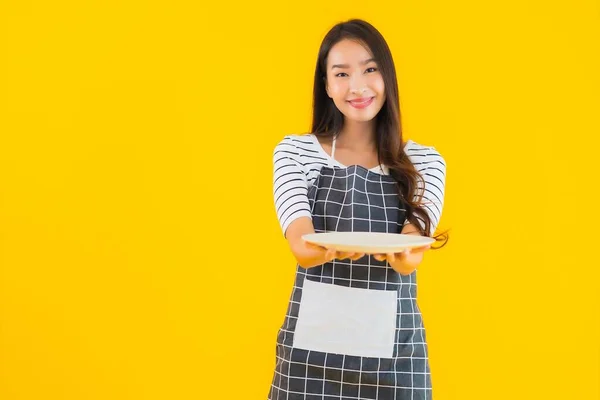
{"x": 354, "y": 173}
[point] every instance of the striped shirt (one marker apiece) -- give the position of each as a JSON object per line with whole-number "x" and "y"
{"x": 298, "y": 159}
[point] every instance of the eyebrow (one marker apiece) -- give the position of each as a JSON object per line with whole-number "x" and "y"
{"x": 347, "y": 66}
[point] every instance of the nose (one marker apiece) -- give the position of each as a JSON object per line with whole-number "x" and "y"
{"x": 357, "y": 85}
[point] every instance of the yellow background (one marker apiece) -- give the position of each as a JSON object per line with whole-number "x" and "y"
{"x": 140, "y": 256}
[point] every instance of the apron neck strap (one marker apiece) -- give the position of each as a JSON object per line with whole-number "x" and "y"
{"x": 333, "y": 147}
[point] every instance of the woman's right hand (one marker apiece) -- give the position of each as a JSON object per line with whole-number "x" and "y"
{"x": 331, "y": 254}
{"x": 309, "y": 255}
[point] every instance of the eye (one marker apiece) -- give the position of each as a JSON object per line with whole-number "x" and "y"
{"x": 372, "y": 69}
{"x": 340, "y": 74}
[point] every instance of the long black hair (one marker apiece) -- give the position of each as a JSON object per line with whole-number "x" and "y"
{"x": 328, "y": 120}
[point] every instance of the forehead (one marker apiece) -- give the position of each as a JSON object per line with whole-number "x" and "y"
{"x": 348, "y": 51}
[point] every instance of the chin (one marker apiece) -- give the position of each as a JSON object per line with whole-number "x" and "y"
{"x": 363, "y": 118}
{"x": 360, "y": 116}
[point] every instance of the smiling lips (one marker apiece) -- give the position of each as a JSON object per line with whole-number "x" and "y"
{"x": 362, "y": 102}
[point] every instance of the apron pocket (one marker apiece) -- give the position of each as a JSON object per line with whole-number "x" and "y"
{"x": 346, "y": 320}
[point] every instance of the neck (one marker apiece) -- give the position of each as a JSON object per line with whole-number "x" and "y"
{"x": 357, "y": 135}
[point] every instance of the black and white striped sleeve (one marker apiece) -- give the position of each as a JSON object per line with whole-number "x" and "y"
{"x": 290, "y": 185}
{"x": 432, "y": 167}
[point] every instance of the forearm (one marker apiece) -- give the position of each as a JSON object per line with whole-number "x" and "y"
{"x": 306, "y": 255}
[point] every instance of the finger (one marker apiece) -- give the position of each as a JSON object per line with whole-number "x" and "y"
{"x": 344, "y": 255}
{"x": 391, "y": 257}
{"x": 330, "y": 254}
{"x": 357, "y": 256}
{"x": 379, "y": 257}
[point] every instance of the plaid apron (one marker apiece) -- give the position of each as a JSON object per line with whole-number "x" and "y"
{"x": 353, "y": 329}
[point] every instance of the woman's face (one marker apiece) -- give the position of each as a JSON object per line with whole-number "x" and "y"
{"x": 354, "y": 82}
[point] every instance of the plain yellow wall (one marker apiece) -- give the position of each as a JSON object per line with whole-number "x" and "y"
{"x": 140, "y": 255}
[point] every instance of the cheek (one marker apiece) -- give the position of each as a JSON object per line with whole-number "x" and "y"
{"x": 337, "y": 90}
{"x": 378, "y": 85}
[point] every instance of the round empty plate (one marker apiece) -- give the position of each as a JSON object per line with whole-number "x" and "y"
{"x": 367, "y": 242}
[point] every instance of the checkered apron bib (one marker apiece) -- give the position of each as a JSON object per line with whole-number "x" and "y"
{"x": 353, "y": 329}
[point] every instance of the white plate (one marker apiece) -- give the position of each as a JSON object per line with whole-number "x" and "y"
{"x": 367, "y": 242}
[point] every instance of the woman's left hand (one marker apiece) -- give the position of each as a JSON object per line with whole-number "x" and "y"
{"x": 406, "y": 262}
